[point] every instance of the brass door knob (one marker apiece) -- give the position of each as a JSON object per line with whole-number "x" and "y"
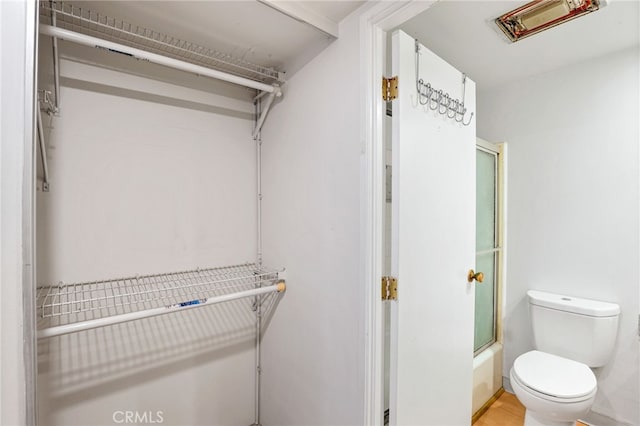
{"x": 478, "y": 276}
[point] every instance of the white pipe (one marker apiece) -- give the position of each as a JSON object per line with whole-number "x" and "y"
{"x": 152, "y": 57}
{"x": 258, "y": 140}
{"x": 258, "y": 361}
{"x": 117, "y": 319}
{"x": 256, "y": 391}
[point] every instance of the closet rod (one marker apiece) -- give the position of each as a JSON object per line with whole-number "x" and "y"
{"x": 118, "y": 319}
{"x": 153, "y": 57}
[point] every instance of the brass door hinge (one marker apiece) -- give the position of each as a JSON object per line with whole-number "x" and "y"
{"x": 389, "y": 88}
{"x": 389, "y": 288}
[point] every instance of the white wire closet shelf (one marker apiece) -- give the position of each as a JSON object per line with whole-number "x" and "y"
{"x": 85, "y": 21}
{"x": 68, "y": 308}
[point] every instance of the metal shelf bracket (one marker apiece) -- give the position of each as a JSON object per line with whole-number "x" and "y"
{"x": 265, "y": 109}
{"x": 44, "y": 102}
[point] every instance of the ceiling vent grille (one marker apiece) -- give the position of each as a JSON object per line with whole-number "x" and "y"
{"x": 540, "y": 15}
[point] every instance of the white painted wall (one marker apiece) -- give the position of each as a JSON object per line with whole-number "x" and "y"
{"x": 148, "y": 176}
{"x": 17, "y": 22}
{"x": 573, "y": 203}
{"x": 313, "y": 369}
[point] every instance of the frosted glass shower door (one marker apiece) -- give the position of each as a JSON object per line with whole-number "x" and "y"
{"x": 486, "y": 247}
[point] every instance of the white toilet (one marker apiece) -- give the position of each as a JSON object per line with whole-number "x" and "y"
{"x": 555, "y": 382}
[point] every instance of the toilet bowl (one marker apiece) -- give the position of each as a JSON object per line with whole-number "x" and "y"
{"x": 555, "y": 391}
{"x": 571, "y": 335}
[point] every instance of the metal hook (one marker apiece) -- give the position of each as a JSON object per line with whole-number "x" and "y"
{"x": 464, "y": 85}
{"x": 437, "y": 99}
{"x": 447, "y": 99}
{"x": 468, "y": 122}
{"x": 439, "y": 93}
{"x": 453, "y": 108}
{"x": 461, "y": 112}
{"x": 427, "y": 94}
{"x": 47, "y": 103}
{"x": 464, "y": 110}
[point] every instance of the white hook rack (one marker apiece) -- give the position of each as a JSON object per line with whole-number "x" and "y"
{"x": 438, "y": 100}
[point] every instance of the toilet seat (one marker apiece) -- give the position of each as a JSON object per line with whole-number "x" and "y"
{"x": 554, "y": 378}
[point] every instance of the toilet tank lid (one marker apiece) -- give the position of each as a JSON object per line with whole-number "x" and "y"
{"x": 593, "y": 308}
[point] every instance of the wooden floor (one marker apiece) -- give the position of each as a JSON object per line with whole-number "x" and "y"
{"x": 506, "y": 411}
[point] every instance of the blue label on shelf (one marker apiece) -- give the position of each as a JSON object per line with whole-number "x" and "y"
{"x": 189, "y": 303}
{"x": 193, "y": 302}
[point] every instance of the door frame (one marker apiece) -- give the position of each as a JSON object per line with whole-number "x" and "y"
{"x": 374, "y": 23}
{"x": 495, "y": 150}
{"x": 18, "y": 350}
{"x": 500, "y": 149}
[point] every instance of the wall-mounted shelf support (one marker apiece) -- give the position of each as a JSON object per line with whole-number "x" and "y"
{"x": 43, "y": 147}
{"x": 70, "y": 308}
{"x": 265, "y": 110}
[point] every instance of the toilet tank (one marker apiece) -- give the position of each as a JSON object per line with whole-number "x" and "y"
{"x": 579, "y": 329}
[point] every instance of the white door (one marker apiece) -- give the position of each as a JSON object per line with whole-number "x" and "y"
{"x": 433, "y": 245}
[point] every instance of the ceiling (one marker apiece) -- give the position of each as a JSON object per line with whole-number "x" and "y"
{"x": 462, "y": 33}
{"x": 334, "y": 10}
{"x": 249, "y": 30}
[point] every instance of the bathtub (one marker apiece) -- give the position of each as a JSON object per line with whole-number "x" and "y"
{"x": 487, "y": 375}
